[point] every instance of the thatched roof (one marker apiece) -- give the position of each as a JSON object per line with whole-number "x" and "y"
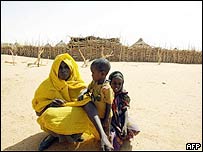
{"x": 6, "y": 44}
{"x": 61, "y": 44}
{"x": 16, "y": 44}
{"x": 140, "y": 42}
{"x": 80, "y": 39}
{"x": 48, "y": 45}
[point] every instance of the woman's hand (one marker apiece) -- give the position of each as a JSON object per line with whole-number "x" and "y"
{"x": 57, "y": 103}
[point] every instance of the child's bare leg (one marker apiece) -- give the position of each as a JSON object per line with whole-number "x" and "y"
{"x": 93, "y": 115}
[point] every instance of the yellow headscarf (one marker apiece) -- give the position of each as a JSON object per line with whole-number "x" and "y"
{"x": 53, "y": 87}
{"x": 71, "y": 118}
{"x": 75, "y": 78}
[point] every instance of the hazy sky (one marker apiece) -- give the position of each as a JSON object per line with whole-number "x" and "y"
{"x": 165, "y": 24}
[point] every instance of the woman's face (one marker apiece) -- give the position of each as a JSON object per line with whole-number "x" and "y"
{"x": 116, "y": 84}
{"x": 64, "y": 71}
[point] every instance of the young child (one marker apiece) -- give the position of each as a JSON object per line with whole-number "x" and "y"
{"x": 55, "y": 103}
{"x": 122, "y": 128}
{"x": 101, "y": 93}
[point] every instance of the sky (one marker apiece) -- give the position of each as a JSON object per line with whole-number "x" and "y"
{"x": 166, "y": 24}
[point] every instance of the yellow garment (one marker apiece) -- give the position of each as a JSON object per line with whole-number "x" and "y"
{"x": 71, "y": 118}
{"x": 102, "y": 94}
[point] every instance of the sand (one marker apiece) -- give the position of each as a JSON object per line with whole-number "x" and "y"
{"x": 166, "y": 104}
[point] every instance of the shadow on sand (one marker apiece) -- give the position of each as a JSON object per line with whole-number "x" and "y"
{"x": 31, "y": 144}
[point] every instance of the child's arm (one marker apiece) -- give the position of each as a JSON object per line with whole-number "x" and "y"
{"x": 124, "y": 129}
{"x": 126, "y": 100}
{"x": 86, "y": 90}
{"x": 80, "y": 97}
{"x": 105, "y": 120}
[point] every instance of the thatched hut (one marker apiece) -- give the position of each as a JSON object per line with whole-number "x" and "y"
{"x": 94, "y": 47}
{"x": 16, "y": 44}
{"x": 93, "y": 38}
{"x": 61, "y": 44}
{"x": 140, "y": 43}
{"x": 47, "y": 45}
{"x": 6, "y": 44}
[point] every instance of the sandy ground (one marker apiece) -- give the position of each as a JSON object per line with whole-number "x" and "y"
{"x": 166, "y": 104}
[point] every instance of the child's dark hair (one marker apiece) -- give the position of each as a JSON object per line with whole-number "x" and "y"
{"x": 101, "y": 65}
{"x": 116, "y": 74}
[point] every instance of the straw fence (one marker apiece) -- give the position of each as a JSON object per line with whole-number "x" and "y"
{"x": 92, "y": 47}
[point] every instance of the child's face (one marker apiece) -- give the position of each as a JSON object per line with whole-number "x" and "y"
{"x": 116, "y": 84}
{"x": 96, "y": 75}
{"x": 64, "y": 71}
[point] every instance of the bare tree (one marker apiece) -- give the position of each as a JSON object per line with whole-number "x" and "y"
{"x": 159, "y": 56}
{"x": 86, "y": 61}
{"x": 37, "y": 62}
{"x": 13, "y": 48}
{"x": 39, "y": 56}
{"x": 107, "y": 55}
{"x": 12, "y": 56}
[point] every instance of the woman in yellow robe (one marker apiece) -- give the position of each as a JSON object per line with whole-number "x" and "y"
{"x": 55, "y": 102}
